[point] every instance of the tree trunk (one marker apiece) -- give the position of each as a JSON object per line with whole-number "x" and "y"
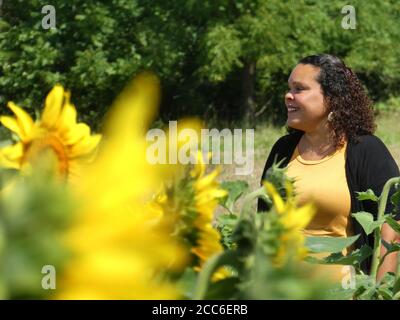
{"x": 247, "y": 101}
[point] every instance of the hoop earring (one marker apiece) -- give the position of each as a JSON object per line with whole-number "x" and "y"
{"x": 330, "y": 116}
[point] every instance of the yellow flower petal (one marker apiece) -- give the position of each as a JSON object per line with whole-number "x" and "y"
{"x": 276, "y": 198}
{"x": 76, "y": 134}
{"x": 218, "y": 193}
{"x": 301, "y": 217}
{"x": 10, "y": 156}
{"x": 206, "y": 180}
{"x": 53, "y": 105}
{"x": 85, "y": 146}
{"x": 289, "y": 189}
{"x": 67, "y": 117}
{"x": 24, "y": 120}
{"x": 14, "y": 151}
{"x": 12, "y": 124}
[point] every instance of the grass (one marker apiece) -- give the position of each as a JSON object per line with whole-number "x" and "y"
{"x": 389, "y": 131}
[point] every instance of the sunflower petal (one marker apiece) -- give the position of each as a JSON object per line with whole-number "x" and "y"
{"x": 207, "y": 180}
{"x": 14, "y": 151}
{"x": 24, "y": 120}
{"x": 218, "y": 193}
{"x": 200, "y": 167}
{"x": 53, "y": 106}
{"x": 10, "y": 156}
{"x": 76, "y": 133}
{"x": 304, "y": 215}
{"x": 12, "y": 124}
{"x": 85, "y": 146}
{"x": 67, "y": 117}
{"x": 276, "y": 198}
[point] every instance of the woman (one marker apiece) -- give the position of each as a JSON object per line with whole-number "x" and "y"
{"x": 331, "y": 150}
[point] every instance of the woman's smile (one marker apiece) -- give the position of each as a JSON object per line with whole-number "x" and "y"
{"x": 292, "y": 109}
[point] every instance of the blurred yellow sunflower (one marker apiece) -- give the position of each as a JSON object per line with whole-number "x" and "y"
{"x": 293, "y": 220}
{"x": 57, "y": 133}
{"x": 191, "y": 199}
{"x": 118, "y": 252}
{"x": 207, "y": 193}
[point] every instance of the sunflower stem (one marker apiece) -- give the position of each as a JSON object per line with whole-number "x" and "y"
{"x": 248, "y": 199}
{"x": 397, "y": 277}
{"x": 377, "y": 233}
{"x": 206, "y": 273}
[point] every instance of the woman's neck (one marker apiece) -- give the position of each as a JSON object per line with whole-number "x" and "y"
{"x": 318, "y": 141}
{"x": 317, "y": 144}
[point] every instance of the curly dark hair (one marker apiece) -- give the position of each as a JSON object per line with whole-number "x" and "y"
{"x": 345, "y": 97}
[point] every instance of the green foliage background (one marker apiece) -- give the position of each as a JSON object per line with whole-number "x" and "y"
{"x": 220, "y": 59}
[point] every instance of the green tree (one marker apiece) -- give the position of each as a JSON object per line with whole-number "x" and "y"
{"x": 93, "y": 52}
{"x": 218, "y": 59}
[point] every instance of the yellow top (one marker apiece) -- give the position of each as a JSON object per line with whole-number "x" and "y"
{"x": 324, "y": 183}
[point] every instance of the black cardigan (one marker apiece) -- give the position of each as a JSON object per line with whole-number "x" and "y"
{"x": 369, "y": 165}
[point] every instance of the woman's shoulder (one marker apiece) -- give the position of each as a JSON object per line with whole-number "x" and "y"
{"x": 370, "y": 148}
{"x": 372, "y": 162}
{"x": 368, "y": 143}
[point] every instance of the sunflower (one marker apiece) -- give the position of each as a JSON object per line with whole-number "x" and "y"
{"x": 291, "y": 220}
{"x": 56, "y": 134}
{"x": 191, "y": 199}
{"x": 207, "y": 193}
{"x": 118, "y": 251}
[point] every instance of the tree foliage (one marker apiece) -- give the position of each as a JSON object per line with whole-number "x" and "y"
{"x": 219, "y": 59}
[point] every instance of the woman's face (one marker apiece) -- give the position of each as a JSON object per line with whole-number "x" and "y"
{"x": 305, "y": 100}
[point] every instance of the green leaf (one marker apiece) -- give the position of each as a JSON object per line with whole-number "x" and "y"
{"x": 339, "y": 293}
{"x": 225, "y": 258}
{"x": 396, "y": 286}
{"x": 80, "y": 17}
{"x": 367, "y": 195}
{"x": 235, "y": 190}
{"x": 223, "y": 289}
{"x": 393, "y": 224}
{"x": 386, "y": 293}
{"x": 362, "y": 283}
{"x": 329, "y": 244}
{"x": 187, "y": 282}
{"x": 354, "y": 258}
{"x": 396, "y": 296}
{"x": 365, "y": 287}
{"x": 368, "y": 293}
{"x": 226, "y": 224}
{"x": 367, "y": 221}
{"x": 390, "y": 247}
{"x": 395, "y": 198}
{"x": 387, "y": 280}
{"x": 385, "y": 290}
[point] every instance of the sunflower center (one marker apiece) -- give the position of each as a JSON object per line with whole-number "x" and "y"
{"x": 48, "y": 144}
